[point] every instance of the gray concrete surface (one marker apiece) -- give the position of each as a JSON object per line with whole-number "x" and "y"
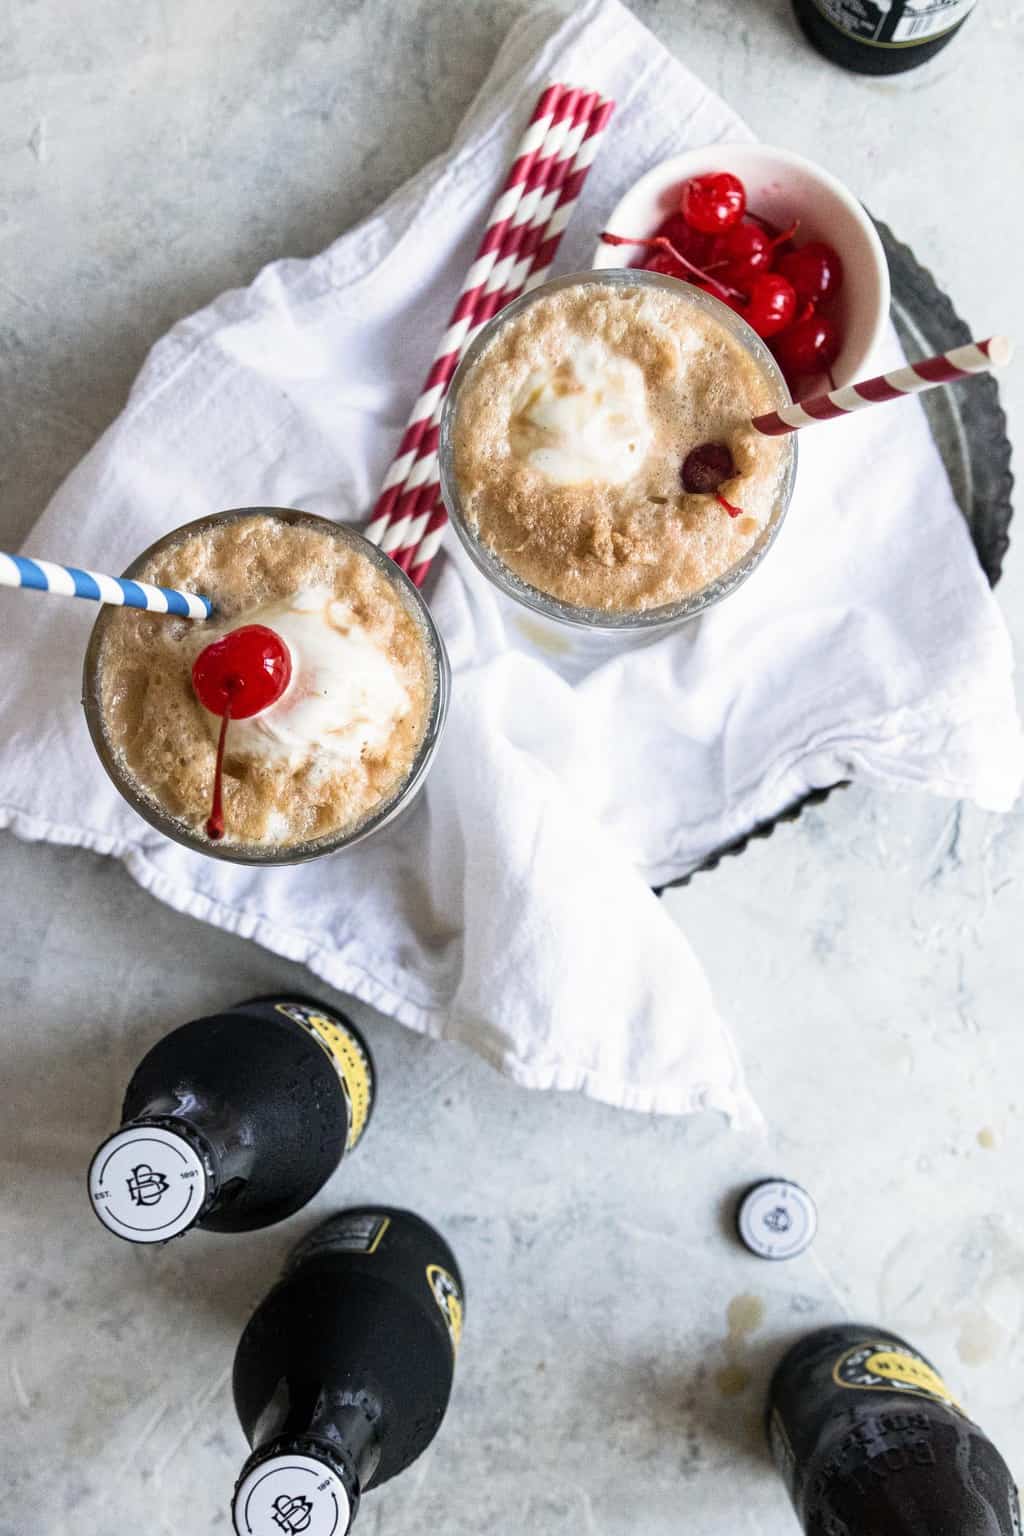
{"x": 868, "y": 958}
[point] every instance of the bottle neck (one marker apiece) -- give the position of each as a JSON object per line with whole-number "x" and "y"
{"x": 222, "y": 1142}
{"x": 351, "y": 1422}
{"x": 313, "y": 1456}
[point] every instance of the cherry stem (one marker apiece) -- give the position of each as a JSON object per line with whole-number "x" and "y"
{"x": 663, "y": 243}
{"x": 732, "y": 511}
{"x": 215, "y": 823}
{"x": 785, "y": 234}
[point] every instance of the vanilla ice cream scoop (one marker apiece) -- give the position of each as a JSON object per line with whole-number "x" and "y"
{"x": 344, "y": 696}
{"x": 584, "y": 419}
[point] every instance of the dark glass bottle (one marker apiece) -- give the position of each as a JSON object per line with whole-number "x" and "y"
{"x": 235, "y": 1121}
{"x": 868, "y": 1439}
{"x": 343, "y": 1374}
{"x": 881, "y": 37}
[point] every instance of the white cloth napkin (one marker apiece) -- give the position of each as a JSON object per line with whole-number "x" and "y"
{"x": 512, "y": 909}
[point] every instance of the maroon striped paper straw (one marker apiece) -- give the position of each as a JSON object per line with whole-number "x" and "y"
{"x": 946, "y": 368}
{"x": 570, "y": 193}
{"x": 585, "y": 105}
{"x": 564, "y": 141}
{"x": 447, "y": 354}
{"x": 411, "y": 512}
{"x": 588, "y": 132}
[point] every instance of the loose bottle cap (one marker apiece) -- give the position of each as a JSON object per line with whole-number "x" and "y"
{"x": 777, "y": 1219}
{"x": 147, "y": 1184}
{"x": 290, "y": 1494}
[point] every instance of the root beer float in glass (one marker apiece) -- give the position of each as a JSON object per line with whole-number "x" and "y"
{"x": 578, "y": 452}
{"x": 299, "y": 720}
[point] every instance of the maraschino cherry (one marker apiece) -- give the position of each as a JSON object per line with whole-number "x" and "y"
{"x": 811, "y": 345}
{"x": 693, "y": 245}
{"x": 236, "y": 677}
{"x": 814, "y": 270}
{"x": 771, "y": 304}
{"x": 713, "y": 203}
{"x": 745, "y": 250}
{"x": 742, "y": 251}
{"x": 705, "y": 468}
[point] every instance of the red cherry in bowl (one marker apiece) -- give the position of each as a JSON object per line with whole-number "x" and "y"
{"x": 730, "y": 297}
{"x": 744, "y": 250}
{"x": 814, "y": 270}
{"x": 666, "y": 264}
{"x": 714, "y": 202}
{"x": 809, "y": 346}
{"x": 771, "y": 305}
{"x": 688, "y": 242}
{"x": 248, "y": 668}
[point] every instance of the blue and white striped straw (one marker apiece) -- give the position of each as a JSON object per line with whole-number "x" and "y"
{"x": 69, "y": 581}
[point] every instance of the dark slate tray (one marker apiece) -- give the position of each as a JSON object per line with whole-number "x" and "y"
{"x": 969, "y": 427}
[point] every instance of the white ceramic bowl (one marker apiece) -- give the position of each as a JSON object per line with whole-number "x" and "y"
{"x": 780, "y": 187}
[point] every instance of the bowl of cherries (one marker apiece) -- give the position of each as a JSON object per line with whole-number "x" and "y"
{"x": 775, "y": 237}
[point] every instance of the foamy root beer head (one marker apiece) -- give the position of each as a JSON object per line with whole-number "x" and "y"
{"x": 570, "y": 431}
{"x": 342, "y": 739}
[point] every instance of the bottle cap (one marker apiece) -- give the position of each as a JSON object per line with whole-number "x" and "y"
{"x": 291, "y": 1493}
{"x": 776, "y": 1219}
{"x": 147, "y": 1184}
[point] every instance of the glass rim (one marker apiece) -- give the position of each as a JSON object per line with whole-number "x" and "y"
{"x": 576, "y": 615}
{"x": 253, "y": 853}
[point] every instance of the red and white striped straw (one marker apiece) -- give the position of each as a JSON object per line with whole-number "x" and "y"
{"x": 946, "y": 368}
{"x": 582, "y": 105}
{"x": 569, "y": 194}
{"x": 589, "y": 124}
{"x": 517, "y": 254}
{"x": 446, "y": 356}
{"x": 562, "y": 144}
{"x": 411, "y": 512}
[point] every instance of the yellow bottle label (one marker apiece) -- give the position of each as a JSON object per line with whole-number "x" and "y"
{"x": 886, "y": 1367}
{"x": 446, "y": 1293}
{"x": 350, "y": 1061}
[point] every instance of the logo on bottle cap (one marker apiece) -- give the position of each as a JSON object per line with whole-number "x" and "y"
{"x": 291, "y": 1495}
{"x": 147, "y": 1184}
{"x": 777, "y": 1219}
